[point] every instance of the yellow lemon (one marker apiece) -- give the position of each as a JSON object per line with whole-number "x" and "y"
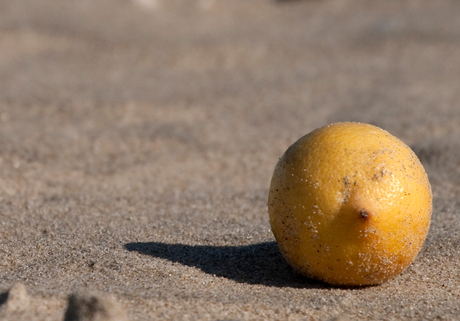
{"x": 349, "y": 204}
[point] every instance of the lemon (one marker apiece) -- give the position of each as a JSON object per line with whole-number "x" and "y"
{"x": 349, "y": 204}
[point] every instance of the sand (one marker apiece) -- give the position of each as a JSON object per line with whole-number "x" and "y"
{"x": 138, "y": 140}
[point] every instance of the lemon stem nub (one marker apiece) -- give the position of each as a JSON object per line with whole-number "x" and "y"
{"x": 364, "y": 214}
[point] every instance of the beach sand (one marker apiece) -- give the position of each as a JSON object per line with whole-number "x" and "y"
{"x": 138, "y": 140}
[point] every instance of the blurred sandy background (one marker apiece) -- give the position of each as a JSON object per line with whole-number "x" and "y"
{"x": 138, "y": 140}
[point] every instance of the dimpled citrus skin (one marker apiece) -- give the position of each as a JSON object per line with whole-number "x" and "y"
{"x": 349, "y": 204}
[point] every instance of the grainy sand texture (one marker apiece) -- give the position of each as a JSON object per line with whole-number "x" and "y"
{"x": 138, "y": 139}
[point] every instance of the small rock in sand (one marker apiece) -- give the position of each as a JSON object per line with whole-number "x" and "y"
{"x": 17, "y": 298}
{"x": 93, "y": 307}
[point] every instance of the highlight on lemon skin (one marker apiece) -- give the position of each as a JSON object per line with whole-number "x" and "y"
{"x": 349, "y": 204}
